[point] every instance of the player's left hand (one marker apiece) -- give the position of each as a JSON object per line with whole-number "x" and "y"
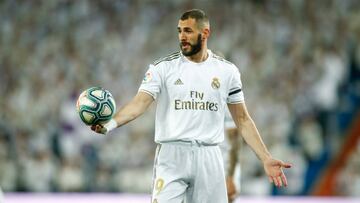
{"x": 273, "y": 169}
{"x": 231, "y": 189}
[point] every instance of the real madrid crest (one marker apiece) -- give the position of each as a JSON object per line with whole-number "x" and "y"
{"x": 215, "y": 84}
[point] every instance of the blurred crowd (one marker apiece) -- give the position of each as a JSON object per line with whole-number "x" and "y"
{"x": 297, "y": 59}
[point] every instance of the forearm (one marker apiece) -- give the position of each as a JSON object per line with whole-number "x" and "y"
{"x": 126, "y": 114}
{"x": 253, "y": 139}
{"x": 232, "y": 162}
{"x": 136, "y": 107}
{"x": 233, "y": 152}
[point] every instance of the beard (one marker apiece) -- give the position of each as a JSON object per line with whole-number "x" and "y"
{"x": 194, "y": 48}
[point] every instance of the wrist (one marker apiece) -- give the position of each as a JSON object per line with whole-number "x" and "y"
{"x": 265, "y": 157}
{"x": 111, "y": 125}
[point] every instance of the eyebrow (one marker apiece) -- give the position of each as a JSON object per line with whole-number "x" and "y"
{"x": 184, "y": 28}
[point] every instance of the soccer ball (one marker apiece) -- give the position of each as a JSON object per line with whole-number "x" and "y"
{"x": 95, "y": 106}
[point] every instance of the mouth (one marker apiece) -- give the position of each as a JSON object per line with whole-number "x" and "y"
{"x": 185, "y": 45}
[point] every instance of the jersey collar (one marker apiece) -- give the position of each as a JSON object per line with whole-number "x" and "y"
{"x": 208, "y": 58}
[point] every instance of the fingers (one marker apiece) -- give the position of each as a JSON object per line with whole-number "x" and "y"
{"x": 231, "y": 197}
{"x": 280, "y": 184}
{"x": 230, "y": 187}
{"x": 286, "y": 165}
{"x": 283, "y": 178}
{"x": 278, "y": 181}
{"x": 275, "y": 181}
{"x": 95, "y": 128}
{"x": 270, "y": 179}
{"x": 282, "y": 164}
{"x": 231, "y": 190}
{"x": 275, "y": 173}
{"x": 282, "y": 175}
{"x": 98, "y": 129}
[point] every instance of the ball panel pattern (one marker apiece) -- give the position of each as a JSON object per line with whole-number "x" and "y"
{"x": 95, "y": 105}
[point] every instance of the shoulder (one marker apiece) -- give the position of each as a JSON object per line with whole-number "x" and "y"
{"x": 221, "y": 59}
{"x": 167, "y": 58}
{"x": 225, "y": 64}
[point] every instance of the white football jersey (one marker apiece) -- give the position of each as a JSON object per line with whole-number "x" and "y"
{"x": 192, "y": 97}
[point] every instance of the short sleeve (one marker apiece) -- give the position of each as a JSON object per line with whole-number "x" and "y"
{"x": 152, "y": 81}
{"x": 236, "y": 94}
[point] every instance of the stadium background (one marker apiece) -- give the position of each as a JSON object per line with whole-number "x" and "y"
{"x": 299, "y": 59}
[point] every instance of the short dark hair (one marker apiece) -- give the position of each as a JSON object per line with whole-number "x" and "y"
{"x": 197, "y": 14}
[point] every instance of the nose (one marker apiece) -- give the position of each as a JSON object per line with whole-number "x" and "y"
{"x": 182, "y": 36}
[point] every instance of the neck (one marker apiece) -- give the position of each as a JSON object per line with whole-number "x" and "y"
{"x": 199, "y": 57}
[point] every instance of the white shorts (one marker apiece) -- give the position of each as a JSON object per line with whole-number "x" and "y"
{"x": 188, "y": 172}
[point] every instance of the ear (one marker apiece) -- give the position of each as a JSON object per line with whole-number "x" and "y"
{"x": 205, "y": 33}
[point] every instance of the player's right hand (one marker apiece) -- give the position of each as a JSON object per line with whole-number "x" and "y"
{"x": 99, "y": 129}
{"x": 106, "y": 128}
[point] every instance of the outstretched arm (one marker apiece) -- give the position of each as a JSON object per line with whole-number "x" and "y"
{"x": 136, "y": 107}
{"x": 247, "y": 128}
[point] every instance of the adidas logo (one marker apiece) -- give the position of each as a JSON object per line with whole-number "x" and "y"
{"x": 178, "y": 82}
